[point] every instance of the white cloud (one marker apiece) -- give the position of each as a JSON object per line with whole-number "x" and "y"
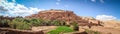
{"x": 66, "y": 5}
{"x": 57, "y": 3}
{"x": 2, "y": 9}
{"x": 93, "y": 0}
{"x": 13, "y": 9}
{"x": 13, "y": 0}
{"x": 105, "y": 17}
{"x": 58, "y": 0}
{"x": 102, "y": 1}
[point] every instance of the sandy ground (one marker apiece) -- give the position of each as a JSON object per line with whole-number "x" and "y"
{"x": 106, "y": 30}
{"x": 45, "y": 29}
{"x": 110, "y": 27}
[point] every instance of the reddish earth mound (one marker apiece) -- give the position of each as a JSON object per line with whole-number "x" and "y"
{"x": 15, "y": 31}
{"x": 67, "y": 16}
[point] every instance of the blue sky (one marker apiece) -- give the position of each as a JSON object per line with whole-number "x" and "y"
{"x": 93, "y": 8}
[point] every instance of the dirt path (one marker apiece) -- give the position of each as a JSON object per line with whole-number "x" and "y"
{"x": 45, "y": 29}
{"x": 106, "y": 30}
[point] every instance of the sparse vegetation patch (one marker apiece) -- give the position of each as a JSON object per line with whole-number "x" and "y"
{"x": 60, "y": 30}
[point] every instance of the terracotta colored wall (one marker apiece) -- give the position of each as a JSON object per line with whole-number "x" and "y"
{"x": 8, "y": 31}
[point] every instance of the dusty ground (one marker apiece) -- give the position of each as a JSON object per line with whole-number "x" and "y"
{"x": 110, "y": 27}
{"x": 45, "y": 29}
{"x": 106, "y": 30}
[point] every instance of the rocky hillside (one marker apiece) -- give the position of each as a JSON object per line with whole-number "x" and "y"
{"x": 65, "y": 15}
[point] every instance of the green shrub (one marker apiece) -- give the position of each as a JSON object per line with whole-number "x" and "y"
{"x": 96, "y": 32}
{"x": 47, "y": 22}
{"x": 58, "y": 23}
{"x": 55, "y": 22}
{"x": 23, "y": 26}
{"x": 92, "y": 32}
{"x": 62, "y": 23}
{"x": 4, "y": 23}
{"x": 36, "y": 22}
{"x": 20, "y": 23}
{"x": 75, "y": 26}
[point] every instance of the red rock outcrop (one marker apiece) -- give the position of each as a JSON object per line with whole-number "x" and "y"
{"x": 65, "y": 15}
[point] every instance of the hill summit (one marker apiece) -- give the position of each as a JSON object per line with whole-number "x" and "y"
{"x": 65, "y": 15}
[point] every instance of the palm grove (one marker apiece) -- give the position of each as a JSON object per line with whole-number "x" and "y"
{"x": 27, "y": 23}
